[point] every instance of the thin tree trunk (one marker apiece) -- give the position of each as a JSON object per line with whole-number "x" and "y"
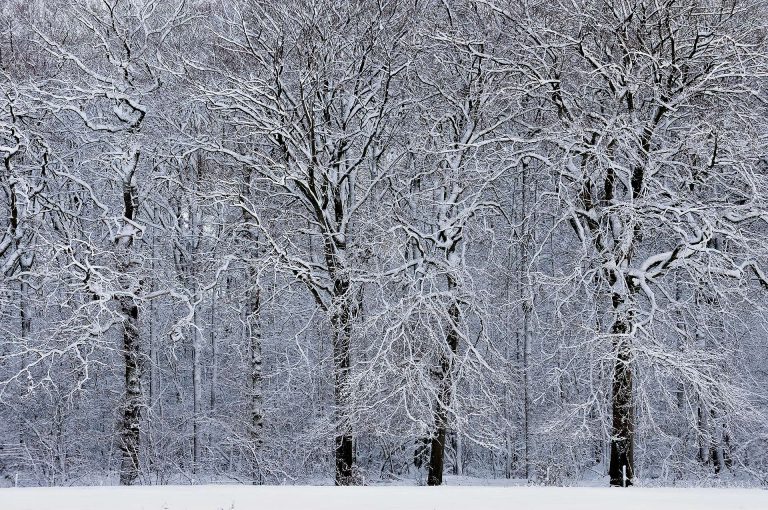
{"x": 527, "y": 305}
{"x": 197, "y": 390}
{"x": 253, "y": 328}
{"x": 24, "y": 312}
{"x": 214, "y": 368}
{"x": 25, "y": 318}
{"x": 527, "y": 340}
{"x": 718, "y": 455}
{"x": 703, "y": 425}
{"x": 458, "y": 467}
{"x": 151, "y": 375}
{"x": 420, "y": 450}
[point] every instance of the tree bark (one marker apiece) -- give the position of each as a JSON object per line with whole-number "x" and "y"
{"x": 340, "y": 321}
{"x": 214, "y": 353}
{"x": 437, "y": 449}
{"x": 527, "y": 341}
{"x": 131, "y": 409}
{"x": 526, "y": 291}
{"x": 458, "y": 447}
{"x": 622, "y": 467}
{"x": 253, "y": 324}
{"x": 253, "y": 335}
{"x": 197, "y": 387}
{"x": 420, "y": 451}
{"x": 702, "y": 421}
{"x": 129, "y": 437}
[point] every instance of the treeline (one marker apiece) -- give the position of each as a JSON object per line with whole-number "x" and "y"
{"x": 281, "y": 242}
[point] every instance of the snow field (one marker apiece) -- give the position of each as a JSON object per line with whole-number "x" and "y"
{"x": 231, "y": 497}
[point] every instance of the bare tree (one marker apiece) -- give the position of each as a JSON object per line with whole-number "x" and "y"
{"x": 646, "y": 101}
{"x": 319, "y": 103}
{"x": 107, "y": 90}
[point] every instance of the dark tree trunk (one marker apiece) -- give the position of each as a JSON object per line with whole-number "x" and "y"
{"x": 621, "y": 469}
{"x": 129, "y": 440}
{"x": 131, "y": 409}
{"x": 342, "y": 331}
{"x": 437, "y": 449}
{"x": 437, "y": 453}
{"x": 345, "y": 459}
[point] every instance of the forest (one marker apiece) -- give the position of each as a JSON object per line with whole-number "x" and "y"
{"x": 356, "y": 242}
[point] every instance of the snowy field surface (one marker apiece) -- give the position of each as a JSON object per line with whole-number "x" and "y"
{"x": 225, "y": 497}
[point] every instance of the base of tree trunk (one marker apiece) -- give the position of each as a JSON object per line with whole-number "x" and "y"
{"x": 436, "y": 458}
{"x": 345, "y": 460}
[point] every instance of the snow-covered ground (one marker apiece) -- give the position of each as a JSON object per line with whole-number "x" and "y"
{"x": 227, "y": 497}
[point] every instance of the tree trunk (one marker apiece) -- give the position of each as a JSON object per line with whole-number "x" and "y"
{"x": 458, "y": 448}
{"x": 527, "y": 340}
{"x": 342, "y": 330}
{"x": 253, "y": 324}
{"x": 526, "y": 291}
{"x": 718, "y": 455}
{"x": 25, "y": 317}
{"x": 130, "y": 431}
{"x": 622, "y": 467}
{"x": 197, "y": 388}
{"x": 437, "y": 449}
{"x": 420, "y": 452}
{"x": 703, "y": 425}
{"x": 214, "y": 353}
{"x": 129, "y": 437}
